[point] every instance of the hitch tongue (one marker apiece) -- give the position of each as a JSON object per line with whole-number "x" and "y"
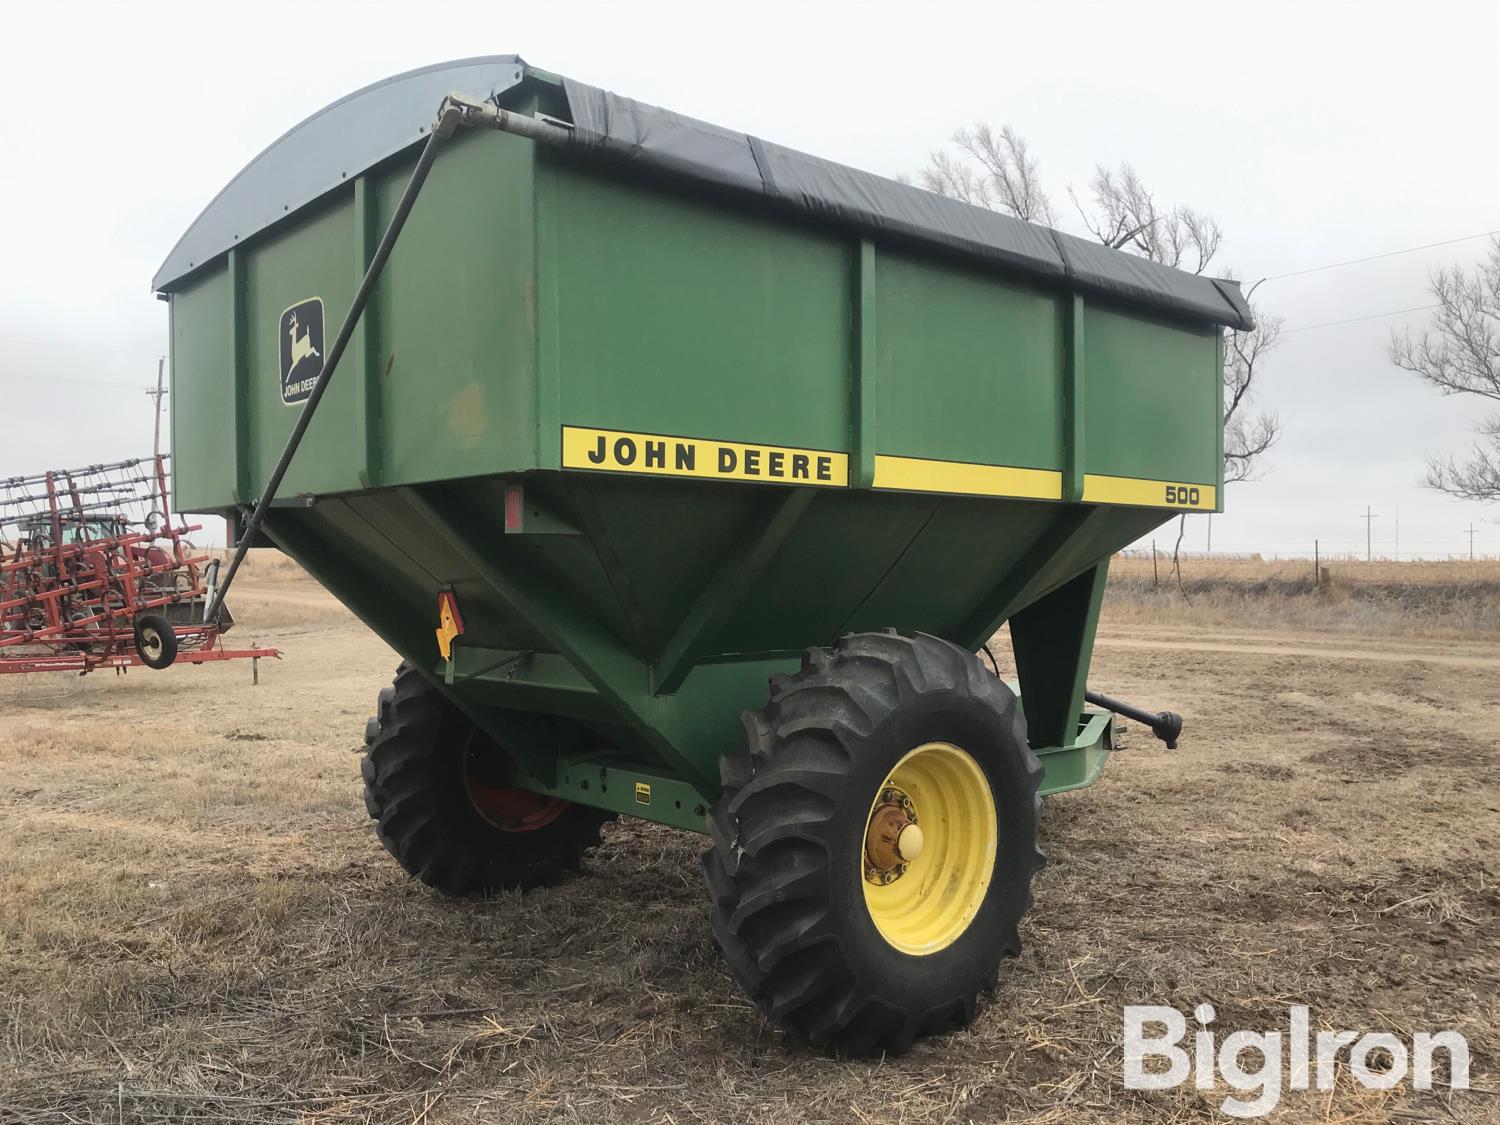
{"x": 1166, "y": 725}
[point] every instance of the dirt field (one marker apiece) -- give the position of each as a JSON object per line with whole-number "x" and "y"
{"x": 197, "y": 924}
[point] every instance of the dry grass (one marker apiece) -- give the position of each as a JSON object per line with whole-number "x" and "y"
{"x": 267, "y": 567}
{"x": 196, "y": 923}
{"x": 1430, "y": 599}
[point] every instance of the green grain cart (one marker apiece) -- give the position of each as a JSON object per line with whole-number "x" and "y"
{"x": 628, "y": 416}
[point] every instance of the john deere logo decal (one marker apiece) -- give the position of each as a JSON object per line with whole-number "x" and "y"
{"x": 301, "y": 349}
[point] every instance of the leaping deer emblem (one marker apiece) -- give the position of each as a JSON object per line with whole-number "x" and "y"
{"x": 302, "y": 346}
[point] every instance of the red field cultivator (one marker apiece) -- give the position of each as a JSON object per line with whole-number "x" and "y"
{"x": 94, "y": 573}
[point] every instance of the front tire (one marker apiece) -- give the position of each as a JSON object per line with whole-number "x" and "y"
{"x": 874, "y": 845}
{"x": 435, "y": 786}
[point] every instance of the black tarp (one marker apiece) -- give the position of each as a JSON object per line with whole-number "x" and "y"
{"x": 642, "y": 134}
{"x": 358, "y": 131}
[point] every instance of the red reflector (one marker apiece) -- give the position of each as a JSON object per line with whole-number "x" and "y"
{"x": 513, "y": 500}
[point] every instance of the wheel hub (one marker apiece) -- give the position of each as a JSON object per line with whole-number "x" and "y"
{"x": 925, "y": 883}
{"x": 510, "y": 809}
{"x": 892, "y": 839}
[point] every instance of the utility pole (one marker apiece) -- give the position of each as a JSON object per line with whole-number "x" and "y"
{"x": 158, "y": 395}
{"x": 1471, "y": 542}
{"x": 1369, "y": 517}
{"x": 1210, "y": 533}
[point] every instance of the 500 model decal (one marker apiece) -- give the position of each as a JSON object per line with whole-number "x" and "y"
{"x": 1149, "y": 493}
{"x": 620, "y": 451}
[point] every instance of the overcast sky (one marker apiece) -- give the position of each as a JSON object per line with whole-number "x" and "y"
{"x": 1315, "y": 132}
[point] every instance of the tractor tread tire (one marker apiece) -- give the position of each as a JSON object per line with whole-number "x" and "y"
{"x": 414, "y": 792}
{"x": 771, "y": 864}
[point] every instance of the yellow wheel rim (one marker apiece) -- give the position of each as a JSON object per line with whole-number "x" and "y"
{"x": 925, "y": 904}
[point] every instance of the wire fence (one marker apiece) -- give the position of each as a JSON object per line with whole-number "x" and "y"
{"x": 1329, "y": 553}
{"x": 1324, "y": 568}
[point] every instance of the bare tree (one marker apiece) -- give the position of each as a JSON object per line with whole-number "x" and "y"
{"x": 1002, "y": 175}
{"x": 996, "y": 170}
{"x": 1459, "y": 354}
{"x": 1124, "y": 215}
{"x": 1247, "y": 436}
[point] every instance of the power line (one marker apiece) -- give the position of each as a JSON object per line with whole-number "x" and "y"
{"x": 1357, "y": 319}
{"x": 41, "y": 380}
{"x": 82, "y": 349}
{"x": 18, "y": 377}
{"x": 1377, "y": 257}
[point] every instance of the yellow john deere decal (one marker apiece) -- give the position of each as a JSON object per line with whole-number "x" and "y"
{"x": 916, "y": 474}
{"x": 617, "y": 451}
{"x": 1149, "y": 493}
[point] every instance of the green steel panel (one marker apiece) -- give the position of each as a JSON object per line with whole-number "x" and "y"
{"x": 439, "y": 381}
{"x": 747, "y": 559}
{"x": 664, "y": 541}
{"x": 841, "y": 550}
{"x": 572, "y": 561}
{"x": 311, "y": 255}
{"x": 456, "y": 315}
{"x": 1053, "y": 639}
{"x": 957, "y": 558}
{"x": 677, "y": 316}
{"x": 390, "y": 530}
{"x": 1153, "y": 393}
{"x": 968, "y": 367}
{"x": 1081, "y": 761}
{"x": 202, "y": 392}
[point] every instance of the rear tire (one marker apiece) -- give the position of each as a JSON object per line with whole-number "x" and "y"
{"x": 435, "y": 788}
{"x": 864, "y": 955}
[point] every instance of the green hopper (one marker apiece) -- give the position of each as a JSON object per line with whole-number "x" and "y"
{"x": 688, "y": 473}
